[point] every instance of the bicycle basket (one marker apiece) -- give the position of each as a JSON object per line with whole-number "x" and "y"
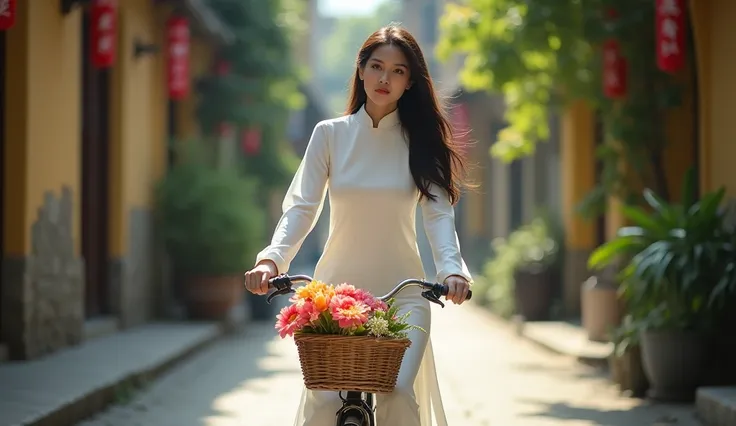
{"x": 350, "y": 363}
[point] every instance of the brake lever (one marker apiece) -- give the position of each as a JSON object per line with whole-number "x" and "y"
{"x": 279, "y": 293}
{"x": 282, "y": 285}
{"x": 429, "y": 295}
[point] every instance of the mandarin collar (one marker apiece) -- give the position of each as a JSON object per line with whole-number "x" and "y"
{"x": 387, "y": 122}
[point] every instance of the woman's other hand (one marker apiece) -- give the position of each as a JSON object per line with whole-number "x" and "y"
{"x": 458, "y": 289}
{"x": 256, "y": 280}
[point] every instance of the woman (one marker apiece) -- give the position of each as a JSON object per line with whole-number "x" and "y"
{"x": 392, "y": 150}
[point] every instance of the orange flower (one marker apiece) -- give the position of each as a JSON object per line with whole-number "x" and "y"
{"x": 321, "y": 302}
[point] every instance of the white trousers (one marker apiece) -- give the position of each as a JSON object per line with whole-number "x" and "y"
{"x": 398, "y": 408}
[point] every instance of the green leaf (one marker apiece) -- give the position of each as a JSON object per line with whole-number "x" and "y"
{"x": 631, "y": 231}
{"x": 644, "y": 220}
{"x": 608, "y": 252}
{"x": 666, "y": 212}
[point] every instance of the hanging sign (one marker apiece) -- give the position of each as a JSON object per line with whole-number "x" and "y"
{"x": 7, "y": 14}
{"x": 670, "y": 21}
{"x": 614, "y": 70}
{"x": 177, "y": 30}
{"x": 250, "y": 141}
{"x": 103, "y": 30}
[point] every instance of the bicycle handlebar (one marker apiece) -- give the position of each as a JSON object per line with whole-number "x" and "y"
{"x": 433, "y": 291}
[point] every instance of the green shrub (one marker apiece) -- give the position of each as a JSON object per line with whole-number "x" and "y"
{"x": 209, "y": 217}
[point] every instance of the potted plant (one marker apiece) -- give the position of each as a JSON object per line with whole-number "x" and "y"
{"x": 625, "y": 362}
{"x": 523, "y": 272}
{"x": 211, "y": 226}
{"x": 679, "y": 263}
{"x": 600, "y": 311}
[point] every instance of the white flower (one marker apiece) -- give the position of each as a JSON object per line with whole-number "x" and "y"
{"x": 377, "y": 327}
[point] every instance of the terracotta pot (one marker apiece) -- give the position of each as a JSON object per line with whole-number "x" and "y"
{"x": 600, "y": 309}
{"x": 211, "y": 298}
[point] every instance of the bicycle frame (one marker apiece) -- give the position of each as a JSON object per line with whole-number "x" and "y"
{"x": 359, "y": 408}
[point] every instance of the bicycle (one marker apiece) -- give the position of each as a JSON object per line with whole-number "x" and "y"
{"x": 359, "y": 408}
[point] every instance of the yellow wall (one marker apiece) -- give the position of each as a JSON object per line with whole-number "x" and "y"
{"x": 578, "y": 173}
{"x": 43, "y": 108}
{"x": 715, "y": 37}
{"x": 680, "y": 133}
{"x": 139, "y": 117}
{"x": 200, "y": 61}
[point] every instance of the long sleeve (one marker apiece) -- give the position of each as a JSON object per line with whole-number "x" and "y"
{"x": 439, "y": 225}
{"x": 302, "y": 204}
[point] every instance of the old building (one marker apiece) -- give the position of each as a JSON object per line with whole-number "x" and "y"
{"x": 85, "y": 130}
{"x": 700, "y": 134}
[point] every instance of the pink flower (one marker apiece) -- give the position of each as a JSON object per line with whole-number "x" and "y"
{"x": 373, "y": 302}
{"x": 346, "y": 290}
{"x": 348, "y": 312}
{"x": 307, "y": 310}
{"x": 289, "y": 320}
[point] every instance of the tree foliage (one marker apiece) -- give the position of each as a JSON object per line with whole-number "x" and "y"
{"x": 262, "y": 83}
{"x": 260, "y": 87}
{"x": 541, "y": 54}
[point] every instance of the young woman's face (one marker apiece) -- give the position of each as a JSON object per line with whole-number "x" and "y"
{"x": 386, "y": 75}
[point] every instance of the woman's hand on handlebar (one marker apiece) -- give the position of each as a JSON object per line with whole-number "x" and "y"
{"x": 457, "y": 289}
{"x": 256, "y": 280}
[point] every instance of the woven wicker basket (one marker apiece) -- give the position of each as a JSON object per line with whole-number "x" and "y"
{"x": 350, "y": 363}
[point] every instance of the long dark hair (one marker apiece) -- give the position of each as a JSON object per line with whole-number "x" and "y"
{"x": 434, "y": 155}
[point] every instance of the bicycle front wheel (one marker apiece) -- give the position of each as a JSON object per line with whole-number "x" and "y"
{"x": 354, "y": 420}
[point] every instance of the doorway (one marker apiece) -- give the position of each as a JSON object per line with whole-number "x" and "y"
{"x": 599, "y": 138}
{"x": 2, "y": 171}
{"x": 694, "y": 105}
{"x": 95, "y": 180}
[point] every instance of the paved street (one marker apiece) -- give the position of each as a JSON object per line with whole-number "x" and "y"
{"x": 488, "y": 375}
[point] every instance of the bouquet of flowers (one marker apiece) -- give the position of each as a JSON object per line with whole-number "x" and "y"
{"x": 344, "y": 310}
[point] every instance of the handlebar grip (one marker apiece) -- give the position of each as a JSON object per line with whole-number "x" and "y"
{"x": 446, "y": 289}
{"x": 280, "y": 282}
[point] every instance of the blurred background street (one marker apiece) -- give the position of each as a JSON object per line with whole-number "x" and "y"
{"x": 147, "y": 146}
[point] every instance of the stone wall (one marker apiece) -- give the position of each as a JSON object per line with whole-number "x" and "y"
{"x": 43, "y": 293}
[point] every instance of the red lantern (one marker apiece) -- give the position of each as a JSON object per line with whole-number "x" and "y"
{"x": 103, "y": 30}
{"x": 7, "y": 14}
{"x": 223, "y": 67}
{"x": 178, "y": 57}
{"x": 614, "y": 70}
{"x": 250, "y": 141}
{"x": 670, "y": 21}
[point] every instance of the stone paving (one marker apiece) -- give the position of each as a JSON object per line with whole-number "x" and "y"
{"x": 489, "y": 376}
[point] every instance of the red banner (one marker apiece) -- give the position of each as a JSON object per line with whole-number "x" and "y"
{"x": 103, "y": 32}
{"x": 7, "y": 14}
{"x": 670, "y": 21}
{"x": 178, "y": 57}
{"x": 250, "y": 141}
{"x": 615, "y": 70}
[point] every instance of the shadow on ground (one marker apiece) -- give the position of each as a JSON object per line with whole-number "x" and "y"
{"x": 645, "y": 414}
{"x": 562, "y": 372}
{"x": 228, "y": 383}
